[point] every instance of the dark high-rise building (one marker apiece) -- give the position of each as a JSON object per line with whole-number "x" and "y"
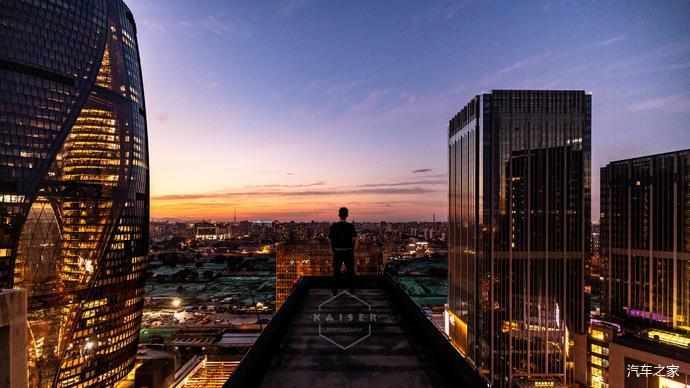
{"x": 519, "y": 232}
{"x": 644, "y": 273}
{"x": 645, "y": 239}
{"x": 74, "y": 185}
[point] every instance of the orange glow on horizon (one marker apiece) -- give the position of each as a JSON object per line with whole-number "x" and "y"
{"x": 299, "y": 207}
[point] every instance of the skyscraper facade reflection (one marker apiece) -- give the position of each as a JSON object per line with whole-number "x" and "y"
{"x": 645, "y": 240}
{"x": 74, "y": 185}
{"x": 519, "y": 232}
{"x": 643, "y": 280}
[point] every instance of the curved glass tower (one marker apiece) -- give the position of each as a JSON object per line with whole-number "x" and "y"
{"x": 74, "y": 185}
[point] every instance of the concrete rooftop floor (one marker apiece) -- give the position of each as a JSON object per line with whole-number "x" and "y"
{"x": 392, "y": 356}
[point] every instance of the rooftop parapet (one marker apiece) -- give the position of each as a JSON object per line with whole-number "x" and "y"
{"x": 376, "y": 337}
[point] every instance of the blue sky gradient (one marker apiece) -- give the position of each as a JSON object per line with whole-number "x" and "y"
{"x": 287, "y": 110}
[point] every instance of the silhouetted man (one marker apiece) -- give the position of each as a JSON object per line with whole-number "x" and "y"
{"x": 343, "y": 240}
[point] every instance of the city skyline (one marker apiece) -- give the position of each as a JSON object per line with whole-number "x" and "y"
{"x": 517, "y": 178}
{"x": 275, "y": 95}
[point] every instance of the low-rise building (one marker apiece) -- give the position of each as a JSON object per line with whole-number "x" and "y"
{"x": 294, "y": 260}
{"x": 646, "y": 358}
{"x": 13, "y": 362}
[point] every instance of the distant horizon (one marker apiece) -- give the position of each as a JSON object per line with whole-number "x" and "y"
{"x": 225, "y": 220}
{"x": 293, "y": 108}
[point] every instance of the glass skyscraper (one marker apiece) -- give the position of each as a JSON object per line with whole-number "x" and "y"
{"x": 645, "y": 240}
{"x": 74, "y": 185}
{"x": 519, "y": 232}
{"x": 643, "y": 280}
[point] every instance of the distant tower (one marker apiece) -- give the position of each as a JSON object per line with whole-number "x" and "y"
{"x": 234, "y": 217}
{"x": 434, "y": 217}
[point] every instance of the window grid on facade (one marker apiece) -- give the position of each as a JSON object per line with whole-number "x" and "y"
{"x": 74, "y": 185}
{"x": 519, "y": 222}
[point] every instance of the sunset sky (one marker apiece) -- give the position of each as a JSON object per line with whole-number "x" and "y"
{"x": 289, "y": 110}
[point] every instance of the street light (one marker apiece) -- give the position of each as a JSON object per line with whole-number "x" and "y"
{"x": 176, "y": 302}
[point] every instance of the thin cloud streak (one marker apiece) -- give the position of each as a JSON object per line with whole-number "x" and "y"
{"x": 606, "y": 42}
{"x": 522, "y": 63}
{"x": 309, "y": 193}
{"x": 288, "y": 185}
{"x": 674, "y": 103}
{"x": 222, "y": 28}
{"x": 540, "y": 58}
{"x": 444, "y": 9}
{"x": 289, "y": 7}
{"x": 267, "y": 171}
{"x": 407, "y": 183}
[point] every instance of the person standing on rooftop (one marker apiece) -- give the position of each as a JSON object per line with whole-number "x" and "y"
{"x": 342, "y": 239}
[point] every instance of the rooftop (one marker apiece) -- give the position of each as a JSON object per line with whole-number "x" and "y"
{"x": 376, "y": 337}
{"x": 673, "y": 346}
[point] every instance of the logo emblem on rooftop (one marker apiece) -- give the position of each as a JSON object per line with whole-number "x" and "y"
{"x": 344, "y": 320}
